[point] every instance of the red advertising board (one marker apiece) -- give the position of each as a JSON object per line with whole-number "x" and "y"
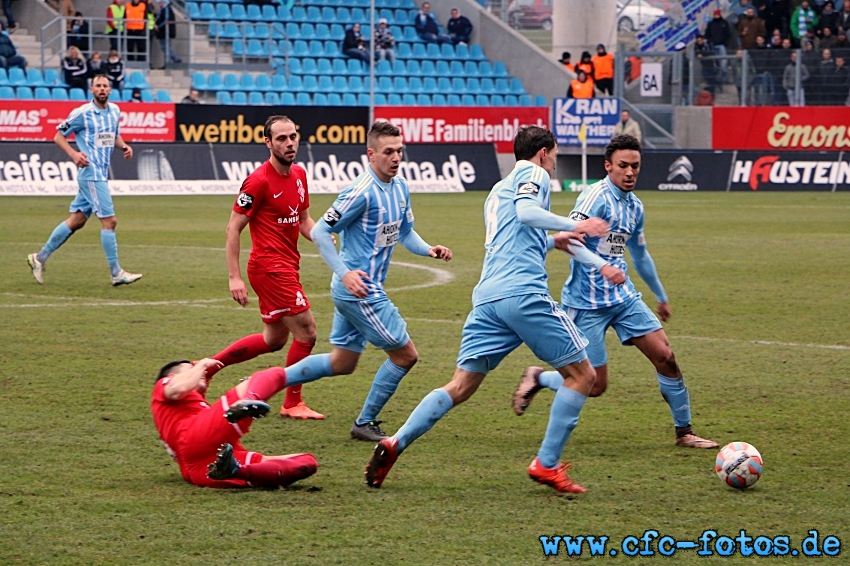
{"x": 781, "y": 128}
{"x": 475, "y": 124}
{"x": 36, "y": 120}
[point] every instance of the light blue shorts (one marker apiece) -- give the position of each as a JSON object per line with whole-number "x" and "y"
{"x": 93, "y": 196}
{"x": 494, "y": 330}
{"x": 379, "y": 323}
{"x": 631, "y": 319}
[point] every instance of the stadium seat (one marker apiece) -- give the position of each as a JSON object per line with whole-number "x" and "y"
{"x": 340, "y": 84}
{"x": 456, "y": 69}
{"x": 313, "y": 14}
{"x": 447, "y": 51}
{"x": 470, "y": 69}
{"x": 230, "y": 31}
{"x": 199, "y": 81}
{"x": 215, "y": 81}
{"x": 279, "y": 83}
{"x": 473, "y": 86}
{"x": 410, "y": 35}
{"x": 423, "y": 100}
{"x": 254, "y": 13}
{"x": 325, "y": 83}
{"x": 295, "y": 66}
{"x": 51, "y": 77}
{"x": 223, "y": 97}
{"x": 497, "y": 100}
{"x": 356, "y": 85}
{"x": 516, "y": 87}
{"x": 303, "y": 99}
{"x": 400, "y": 84}
{"x": 263, "y": 83}
{"x": 287, "y": 99}
{"x": 222, "y": 12}
{"x": 147, "y": 96}
{"x": 138, "y": 80}
{"x": 419, "y": 51}
{"x": 163, "y": 96}
{"x": 323, "y": 32}
{"x": 311, "y": 85}
{"x": 499, "y": 70}
{"x": 75, "y": 94}
{"x": 24, "y": 93}
{"x": 337, "y": 32}
{"x": 363, "y": 99}
{"x": 414, "y": 85}
{"x": 467, "y": 100}
{"x": 339, "y": 67}
{"x": 308, "y": 32}
{"x": 323, "y": 67}
{"x": 358, "y": 15}
{"x": 387, "y": 15}
{"x": 485, "y": 69}
{"x": 443, "y": 69}
{"x": 525, "y": 100}
{"x": 408, "y": 99}
{"x": 349, "y": 99}
{"x": 193, "y": 11}
{"x": 432, "y": 51}
{"x": 540, "y": 100}
{"x": 334, "y": 99}
{"x": 293, "y": 31}
{"x": 272, "y": 98}
{"x": 394, "y": 99}
{"x": 476, "y": 53}
{"x": 17, "y": 77}
{"x": 385, "y": 84}
{"x": 207, "y": 11}
{"x": 332, "y": 49}
{"x": 461, "y": 51}
{"x": 403, "y": 51}
{"x": 240, "y": 98}
{"x": 284, "y": 13}
{"x": 429, "y": 85}
{"x": 231, "y": 82}
{"x": 42, "y": 93}
{"x": 444, "y": 85}
{"x": 247, "y": 82}
{"x": 511, "y": 100}
{"x": 317, "y": 48}
{"x": 453, "y": 99}
{"x": 296, "y": 83}
{"x": 60, "y": 93}
{"x": 356, "y": 67}
{"x": 383, "y": 67}
{"x": 239, "y": 48}
{"x": 343, "y": 16}
{"x": 35, "y": 78}
{"x": 300, "y": 48}
{"x": 328, "y": 15}
{"x": 458, "y": 85}
{"x": 380, "y": 99}
{"x": 256, "y": 99}
{"x": 428, "y": 68}
{"x": 487, "y": 86}
{"x": 438, "y": 100}
{"x": 7, "y": 92}
{"x": 269, "y": 13}
{"x": 262, "y": 31}
{"x": 399, "y": 68}
{"x": 501, "y": 86}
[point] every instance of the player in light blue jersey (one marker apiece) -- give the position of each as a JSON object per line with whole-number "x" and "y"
{"x": 512, "y": 306}
{"x": 371, "y": 215}
{"x": 95, "y": 125}
{"x": 594, "y": 304}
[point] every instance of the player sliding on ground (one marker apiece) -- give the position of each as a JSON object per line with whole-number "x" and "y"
{"x": 275, "y": 203}
{"x": 512, "y": 306}
{"x": 593, "y": 304}
{"x": 205, "y": 439}
{"x": 95, "y": 125}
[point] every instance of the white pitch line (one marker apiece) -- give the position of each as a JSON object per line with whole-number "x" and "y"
{"x": 764, "y": 342}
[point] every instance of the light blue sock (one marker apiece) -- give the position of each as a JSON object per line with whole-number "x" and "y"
{"x": 110, "y": 247}
{"x": 309, "y": 369}
{"x": 60, "y": 234}
{"x": 384, "y": 385}
{"x": 676, "y": 394}
{"x": 432, "y": 408}
{"x": 551, "y": 379}
{"x": 563, "y": 418}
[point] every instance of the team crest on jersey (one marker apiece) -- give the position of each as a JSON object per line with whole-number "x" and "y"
{"x": 528, "y": 188}
{"x": 244, "y": 200}
{"x": 300, "y": 189}
{"x": 64, "y": 126}
{"x": 578, "y": 216}
{"x": 332, "y": 216}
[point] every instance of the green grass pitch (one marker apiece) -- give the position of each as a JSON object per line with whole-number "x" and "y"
{"x": 759, "y": 291}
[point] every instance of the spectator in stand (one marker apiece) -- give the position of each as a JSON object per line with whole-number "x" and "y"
{"x": 775, "y": 40}
{"x": 166, "y": 30}
{"x": 786, "y": 43}
{"x": 75, "y": 69}
{"x": 384, "y": 42}
{"x": 136, "y": 14}
{"x": 565, "y": 61}
{"x": 738, "y": 11}
{"x": 627, "y": 126}
{"x": 818, "y": 5}
{"x": 78, "y": 35}
{"x": 842, "y": 42}
{"x": 191, "y": 98}
{"x": 353, "y": 45}
{"x": 827, "y": 40}
{"x": 586, "y": 65}
{"x": 115, "y": 22}
{"x": 828, "y": 19}
{"x": 603, "y": 70}
{"x": 115, "y": 70}
{"x": 703, "y": 52}
{"x": 459, "y": 28}
{"x": 427, "y": 27}
{"x": 760, "y": 44}
{"x": 718, "y": 34}
{"x": 136, "y": 96}
{"x": 778, "y": 12}
{"x": 96, "y": 65}
{"x": 789, "y": 81}
{"x": 11, "y": 26}
{"x": 802, "y": 20}
{"x": 839, "y": 83}
{"x": 581, "y": 86}
{"x": 8, "y": 53}
{"x": 749, "y": 28}
{"x": 844, "y": 17}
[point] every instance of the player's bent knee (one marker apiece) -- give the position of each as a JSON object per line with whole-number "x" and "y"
{"x": 665, "y": 362}
{"x": 599, "y": 387}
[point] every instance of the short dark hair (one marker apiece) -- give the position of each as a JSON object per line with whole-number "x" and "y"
{"x": 380, "y": 129}
{"x": 166, "y": 369}
{"x": 531, "y": 139}
{"x": 99, "y": 75}
{"x": 623, "y": 141}
{"x": 267, "y": 129}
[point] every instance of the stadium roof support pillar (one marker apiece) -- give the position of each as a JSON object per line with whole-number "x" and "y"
{"x": 580, "y": 25}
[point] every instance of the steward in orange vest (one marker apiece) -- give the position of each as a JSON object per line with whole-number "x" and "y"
{"x": 581, "y": 87}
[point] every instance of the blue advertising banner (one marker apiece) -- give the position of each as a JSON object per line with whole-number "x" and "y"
{"x": 600, "y": 115}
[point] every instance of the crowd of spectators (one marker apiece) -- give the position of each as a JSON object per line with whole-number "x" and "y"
{"x": 594, "y": 74}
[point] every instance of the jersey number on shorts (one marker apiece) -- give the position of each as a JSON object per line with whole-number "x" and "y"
{"x": 299, "y": 299}
{"x": 492, "y": 218}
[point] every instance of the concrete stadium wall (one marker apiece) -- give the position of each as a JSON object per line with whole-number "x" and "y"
{"x": 692, "y": 127}
{"x": 33, "y": 15}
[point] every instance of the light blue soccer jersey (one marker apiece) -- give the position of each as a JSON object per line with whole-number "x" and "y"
{"x": 370, "y": 216}
{"x": 515, "y": 258}
{"x": 586, "y": 288}
{"x": 95, "y": 131}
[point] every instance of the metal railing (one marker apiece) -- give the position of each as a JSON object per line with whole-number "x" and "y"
{"x": 134, "y": 46}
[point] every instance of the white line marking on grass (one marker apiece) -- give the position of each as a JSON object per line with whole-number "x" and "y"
{"x": 764, "y": 342}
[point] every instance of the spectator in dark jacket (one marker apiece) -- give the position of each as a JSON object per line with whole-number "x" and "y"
{"x": 8, "y": 54}
{"x": 718, "y": 34}
{"x": 353, "y": 44}
{"x": 459, "y": 28}
{"x": 844, "y": 16}
{"x": 843, "y": 42}
{"x": 827, "y": 40}
{"x": 115, "y": 70}
{"x": 838, "y": 83}
{"x": 75, "y": 69}
{"x": 427, "y": 28}
{"x": 78, "y": 35}
{"x": 828, "y": 19}
{"x": 166, "y": 30}
{"x": 750, "y": 26}
{"x": 96, "y": 65}
{"x": 384, "y": 42}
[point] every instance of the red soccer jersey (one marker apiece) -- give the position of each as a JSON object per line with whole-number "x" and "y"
{"x": 172, "y": 417}
{"x": 273, "y": 202}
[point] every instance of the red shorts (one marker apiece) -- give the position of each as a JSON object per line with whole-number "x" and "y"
{"x": 200, "y": 441}
{"x": 280, "y": 294}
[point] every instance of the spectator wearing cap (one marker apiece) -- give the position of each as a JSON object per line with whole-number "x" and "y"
{"x": 803, "y": 19}
{"x": 353, "y": 45}
{"x": 459, "y": 28}
{"x": 384, "y": 42}
{"x": 749, "y": 28}
{"x": 427, "y": 28}
{"x": 565, "y": 61}
{"x": 603, "y": 70}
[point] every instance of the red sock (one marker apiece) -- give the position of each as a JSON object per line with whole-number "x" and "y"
{"x": 242, "y": 350}
{"x": 297, "y": 352}
{"x": 279, "y": 472}
{"x": 264, "y": 384}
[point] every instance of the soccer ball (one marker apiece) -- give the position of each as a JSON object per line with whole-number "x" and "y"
{"x": 739, "y": 465}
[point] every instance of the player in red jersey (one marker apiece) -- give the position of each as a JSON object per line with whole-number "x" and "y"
{"x": 274, "y": 201}
{"x": 205, "y": 439}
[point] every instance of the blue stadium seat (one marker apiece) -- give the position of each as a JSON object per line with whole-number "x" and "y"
{"x": 262, "y": 31}
{"x": 334, "y": 99}
{"x": 473, "y": 85}
{"x": 263, "y": 83}
{"x": 311, "y": 85}
{"x": 323, "y": 32}
{"x": 314, "y": 15}
{"x": 525, "y": 100}
{"x": 147, "y": 96}
{"x": 453, "y": 99}
{"x": 423, "y": 100}
{"x": 511, "y": 100}
{"x": 7, "y": 92}
{"x": 323, "y": 67}
{"x": 4, "y": 77}
{"x": 419, "y": 51}
{"x": 383, "y": 67}
{"x": 288, "y": 99}
{"x": 326, "y": 83}
{"x": 413, "y": 68}
{"x": 497, "y": 100}
{"x": 398, "y": 34}
{"x": 467, "y": 100}
{"x": 439, "y": 100}
{"x": 238, "y": 48}
{"x": 277, "y": 30}
{"x": 247, "y": 82}
{"x": 339, "y": 67}
{"x": 414, "y": 85}
{"x": 356, "y": 67}
{"x": 138, "y": 80}
{"x": 303, "y": 99}
{"x": 485, "y": 69}
{"x": 51, "y": 77}
{"x": 17, "y": 77}
{"x": 231, "y": 82}
{"x": 461, "y": 51}
{"x": 358, "y": 15}
{"x": 470, "y": 69}
{"x": 35, "y": 78}
{"x": 501, "y": 86}
{"x": 207, "y": 11}
{"x": 296, "y": 83}
{"x": 456, "y": 69}
{"x": 343, "y": 16}
{"x": 308, "y": 66}
{"x": 410, "y": 35}
{"x": 300, "y": 48}
{"x": 163, "y": 96}
{"x": 240, "y": 98}
{"x": 458, "y": 85}
{"x": 60, "y": 93}
{"x": 199, "y": 81}
{"x": 402, "y": 17}
{"x": 279, "y": 83}
{"x": 340, "y": 84}
{"x": 476, "y": 53}
{"x": 332, "y": 49}
{"x": 387, "y": 15}
{"x": 380, "y": 99}
{"x": 429, "y": 85}
{"x": 408, "y": 99}
{"x": 443, "y": 69}
{"x": 284, "y": 14}
{"x": 349, "y": 99}
{"x": 238, "y": 13}
{"x": 328, "y": 15}
{"x": 308, "y": 32}
{"x": 394, "y": 99}
{"x": 432, "y": 51}
{"x": 447, "y": 51}
{"x": 516, "y": 87}
{"x": 269, "y": 13}
{"x": 400, "y": 84}
{"x": 254, "y": 13}
{"x": 540, "y": 100}
{"x": 499, "y": 70}
{"x": 293, "y": 31}
{"x": 222, "y": 12}
{"x": 256, "y": 99}
{"x": 428, "y": 69}
{"x": 193, "y": 11}
{"x": 257, "y": 49}
{"x": 403, "y": 51}
{"x": 42, "y": 93}
{"x": 363, "y": 99}
{"x": 444, "y": 85}
{"x": 272, "y": 98}
{"x": 487, "y": 86}
{"x": 399, "y": 68}
{"x": 337, "y": 32}
{"x": 215, "y": 82}
{"x": 317, "y": 48}
{"x": 76, "y": 94}
{"x": 356, "y": 85}
{"x": 226, "y": 31}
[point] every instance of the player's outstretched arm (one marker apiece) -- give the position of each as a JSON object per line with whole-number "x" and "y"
{"x": 352, "y": 279}
{"x": 645, "y": 267}
{"x": 571, "y": 242}
{"x": 531, "y": 214}
{"x": 238, "y": 290}
{"x": 184, "y": 383}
